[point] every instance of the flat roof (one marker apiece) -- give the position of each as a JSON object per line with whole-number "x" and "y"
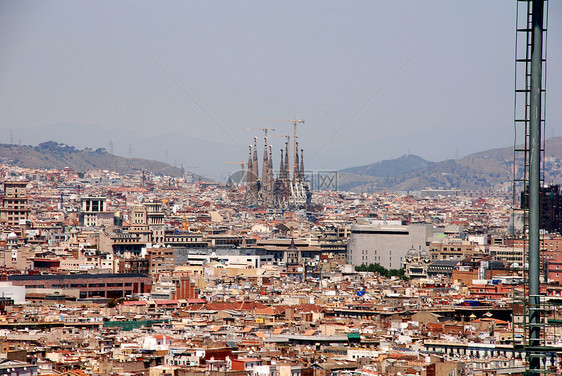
{"x": 449, "y": 263}
{"x": 34, "y": 277}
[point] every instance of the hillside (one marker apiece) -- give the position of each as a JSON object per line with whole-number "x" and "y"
{"x": 52, "y": 155}
{"x": 490, "y": 169}
{"x": 197, "y": 154}
{"x": 383, "y": 169}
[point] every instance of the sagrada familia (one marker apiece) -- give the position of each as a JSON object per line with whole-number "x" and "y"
{"x": 283, "y": 191}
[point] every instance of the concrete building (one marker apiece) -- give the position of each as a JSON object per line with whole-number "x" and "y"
{"x": 123, "y": 243}
{"x": 553, "y": 270}
{"x": 241, "y": 260}
{"x": 454, "y": 249}
{"x": 247, "y": 365}
{"x": 14, "y": 204}
{"x": 90, "y": 285}
{"x": 512, "y": 256}
{"x": 16, "y": 293}
{"x": 174, "y": 287}
{"x": 147, "y": 221}
{"x": 161, "y": 259}
{"x": 139, "y": 224}
{"x": 155, "y": 221}
{"x": 17, "y": 368}
{"x": 133, "y": 264}
{"x": 94, "y": 212}
{"x": 386, "y": 245}
{"x": 550, "y": 208}
{"x": 15, "y": 256}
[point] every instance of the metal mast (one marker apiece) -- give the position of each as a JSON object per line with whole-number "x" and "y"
{"x": 535, "y": 183}
{"x": 530, "y": 98}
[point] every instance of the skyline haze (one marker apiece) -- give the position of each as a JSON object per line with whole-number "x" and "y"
{"x": 439, "y": 75}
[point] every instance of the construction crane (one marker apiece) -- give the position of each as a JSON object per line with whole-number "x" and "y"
{"x": 242, "y": 164}
{"x": 287, "y": 136}
{"x": 295, "y": 122}
{"x": 265, "y": 130}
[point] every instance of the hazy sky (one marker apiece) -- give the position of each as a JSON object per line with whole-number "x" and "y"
{"x": 93, "y": 63}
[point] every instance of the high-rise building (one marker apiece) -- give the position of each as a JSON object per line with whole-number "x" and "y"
{"x": 147, "y": 221}
{"x": 155, "y": 221}
{"x": 550, "y": 208}
{"x": 14, "y": 204}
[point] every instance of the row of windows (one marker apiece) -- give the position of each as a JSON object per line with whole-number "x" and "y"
{"x": 182, "y": 239}
{"x": 78, "y": 285}
{"x": 15, "y": 207}
{"x": 16, "y": 213}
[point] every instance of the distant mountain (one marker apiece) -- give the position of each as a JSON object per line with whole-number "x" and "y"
{"x": 383, "y": 169}
{"x": 53, "y": 155}
{"x": 490, "y": 169}
{"x": 175, "y": 148}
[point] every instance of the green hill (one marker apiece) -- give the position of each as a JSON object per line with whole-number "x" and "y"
{"x": 490, "y": 169}
{"x": 383, "y": 169}
{"x": 52, "y": 155}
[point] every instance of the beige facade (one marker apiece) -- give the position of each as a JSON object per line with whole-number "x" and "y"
{"x": 453, "y": 250}
{"x": 95, "y": 213}
{"x": 14, "y": 204}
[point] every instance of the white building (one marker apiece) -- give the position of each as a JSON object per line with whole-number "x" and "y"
{"x": 16, "y": 293}
{"x": 386, "y": 245}
{"x": 157, "y": 342}
{"x": 242, "y": 261}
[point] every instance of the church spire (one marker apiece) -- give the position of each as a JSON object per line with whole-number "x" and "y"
{"x": 249, "y": 173}
{"x": 287, "y": 168}
{"x": 302, "y": 165}
{"x": 264, "y": 171}
{"x": 270, "y": 170}
{"x": 296, "y": 172}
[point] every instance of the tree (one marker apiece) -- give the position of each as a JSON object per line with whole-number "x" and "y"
{"x": 381, "y": 270}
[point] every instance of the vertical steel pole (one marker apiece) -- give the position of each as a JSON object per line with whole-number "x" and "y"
{"x": 534, "y": 181}
{"x": 294, "y": 150}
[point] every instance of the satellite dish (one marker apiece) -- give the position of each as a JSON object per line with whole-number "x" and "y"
{"x": 140, "y": 198}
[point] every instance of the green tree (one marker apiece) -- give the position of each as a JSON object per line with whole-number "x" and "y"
{"x": 381, "y": 270}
